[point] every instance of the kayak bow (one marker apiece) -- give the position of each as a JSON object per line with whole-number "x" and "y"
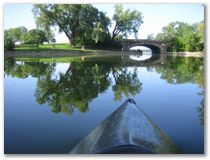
{"x": 127, "y": 130}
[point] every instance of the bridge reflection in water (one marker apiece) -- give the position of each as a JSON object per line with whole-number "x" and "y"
{"x": 140, "y": 53}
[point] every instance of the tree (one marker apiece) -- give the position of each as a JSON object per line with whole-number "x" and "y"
{"x": 126, "y": 21}
{"x": 8, "y": 40}
{"x": 180, "y": 36}
{"x": 34, "y": 36}
{"x": 201, "y": 33}
{"x": 151, "y": 37}
{"x": 17, "y": 32}
{"x": 77, "y": 21}
{"x": 13, "y": 35}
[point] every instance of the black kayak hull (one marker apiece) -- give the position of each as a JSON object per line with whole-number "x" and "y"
{"x": 127, "y": 130}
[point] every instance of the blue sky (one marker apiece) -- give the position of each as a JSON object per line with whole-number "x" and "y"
{"x": 155, "y": 16}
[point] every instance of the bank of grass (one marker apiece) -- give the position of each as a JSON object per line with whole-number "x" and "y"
{"x": 50, "y": 60}
{"x": 70, "y": 58}
{"x": 48, "y": 47}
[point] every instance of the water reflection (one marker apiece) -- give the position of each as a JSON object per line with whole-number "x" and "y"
{"x": 78, "y": 86}
{"x": 141, "y": 56}
{"x": 22, "y": 69}
{"x": 84, "y": 81}
{"x": 179, "y": 70}
{"x": 169, "y": 89}
{"x": 81, "y": 83}
{"x": 185, "y": 70}
{"x": 200, "y": 109}
{"x": 126, "y": 82}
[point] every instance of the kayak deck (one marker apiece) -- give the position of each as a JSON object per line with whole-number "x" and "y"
{"x": 127, "y": 130}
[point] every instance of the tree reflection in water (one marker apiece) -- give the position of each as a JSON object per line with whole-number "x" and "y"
{"x": 200, "y": 109}
{"x": 76, "y": 88}
{"x": 179, "y": 70}
{"x": 126, "y": 82}
{"x": 82, "y": 82}
{"x": 22, "y": 69}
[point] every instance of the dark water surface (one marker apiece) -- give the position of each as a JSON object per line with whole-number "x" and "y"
{"x": 50, "y": 107}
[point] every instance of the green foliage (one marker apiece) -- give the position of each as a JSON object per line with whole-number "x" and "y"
{"x": 126, "y": 82}
{"x": 82, "y": 23}
{"x": 16, "y": 33}
{"x": 126, "y": 21}
{"x": 201, "y": 35}
{"x": 79, "y": 85}
{"x": 182, "y": 70}
{"x": 96, "y": 34}
{"x": 13, "y": 35}
{"x": 179, "y": 36}
{"x": 8, "y": 41}
{"x": 24, "y": 69}
{"x": 34, "y": 36}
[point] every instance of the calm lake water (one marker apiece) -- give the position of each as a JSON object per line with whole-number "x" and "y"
{"x": 50, "y": 106}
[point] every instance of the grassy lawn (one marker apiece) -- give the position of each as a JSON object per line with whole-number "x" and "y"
{"x": 59, "y": 46}
{"x": 71, "y": 58}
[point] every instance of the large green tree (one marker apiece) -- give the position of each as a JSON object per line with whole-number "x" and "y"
{"x": 34, "y": 36}
{"x": 13, "y": 35}
{"x": 16, "y": 33}
{"x": 126, "y": 21}
{"x": 79, "y": 22}
{"x": 180, "y": 36}
{"x": 8, "y": 40}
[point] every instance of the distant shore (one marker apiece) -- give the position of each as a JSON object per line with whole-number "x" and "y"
{"x": 56, "y": 53}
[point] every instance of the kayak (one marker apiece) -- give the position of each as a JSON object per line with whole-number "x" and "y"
{"x": 127, "y": 130}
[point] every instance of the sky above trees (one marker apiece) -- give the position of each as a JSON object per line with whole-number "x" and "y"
{"x": 155, "y": 16}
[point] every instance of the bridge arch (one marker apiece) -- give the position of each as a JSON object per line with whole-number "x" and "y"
{"x": 155, "y": 46}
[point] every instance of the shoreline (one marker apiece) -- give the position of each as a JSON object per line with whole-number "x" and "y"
{"x": 56, "y": 53}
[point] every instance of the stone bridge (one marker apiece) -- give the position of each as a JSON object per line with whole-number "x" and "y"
{"x": 155, "y": 46}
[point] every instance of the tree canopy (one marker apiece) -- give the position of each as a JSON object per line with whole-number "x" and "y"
{"x": 79, "y": 22}
{"x": 84, "y": 24}
{"x": 8, "y": 40}
{"x": 13, "y": 35}
{"x": 34, "y": 36}
{"x": 126, "y": 21}
{"x": 180, "y": 36}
